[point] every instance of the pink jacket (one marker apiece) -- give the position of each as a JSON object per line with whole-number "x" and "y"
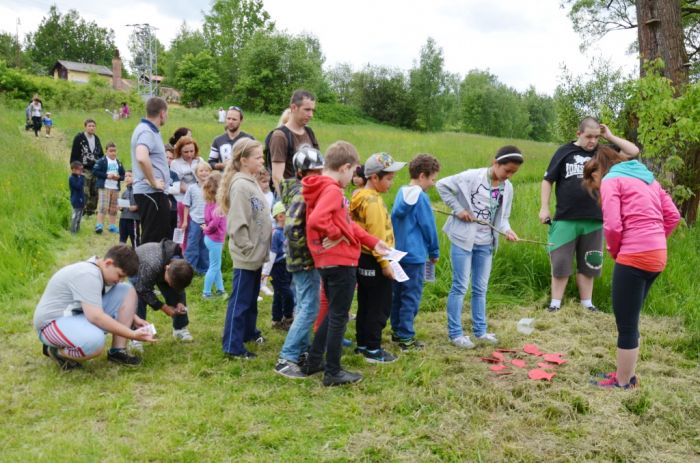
{"x": 215, "y": 223}
{"x": 638, "y": 215}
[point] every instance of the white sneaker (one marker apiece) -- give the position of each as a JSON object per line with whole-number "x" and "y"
{"x": 136, "y": 346}
{"x": 463, "y": 342}
{"x": 183, "y": 335}
{"x": 266, "y": 291}
{"x": 488, "y": 337}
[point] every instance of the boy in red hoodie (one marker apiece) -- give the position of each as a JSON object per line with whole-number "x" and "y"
{"x": 335, "y": 242}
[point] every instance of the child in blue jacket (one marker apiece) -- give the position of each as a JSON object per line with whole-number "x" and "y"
{"x": 415, "y": 232}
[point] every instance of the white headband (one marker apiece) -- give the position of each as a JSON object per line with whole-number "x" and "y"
{"x": 510, "y": 155}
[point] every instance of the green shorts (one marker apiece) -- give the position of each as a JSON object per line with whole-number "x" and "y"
{"x": 581, "y": 237}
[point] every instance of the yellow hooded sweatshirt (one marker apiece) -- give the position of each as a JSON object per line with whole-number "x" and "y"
{"x": 369, "y": 211}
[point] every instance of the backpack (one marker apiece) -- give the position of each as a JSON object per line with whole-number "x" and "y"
{"x": 290, "y": 144}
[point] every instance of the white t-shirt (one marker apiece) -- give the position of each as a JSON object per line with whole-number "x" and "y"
{"x": 67, "y": 290}
{"x": 485, "y": 201}
{"x": 222, "y": 116}
{"x": 112, "y": 168}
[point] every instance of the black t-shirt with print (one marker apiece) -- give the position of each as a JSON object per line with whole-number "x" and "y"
{"x": 566, "y": 171}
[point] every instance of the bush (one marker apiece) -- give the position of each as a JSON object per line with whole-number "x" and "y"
{"x": 338, "y": 113}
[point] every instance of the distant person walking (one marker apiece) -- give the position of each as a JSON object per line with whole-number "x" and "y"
{"x": 284, "y": 141}
{"x": 151, "y": 173}
{"x": 87, "y": 149}
{"x": 35, "y": 109}
{"x": 577, "y": 227}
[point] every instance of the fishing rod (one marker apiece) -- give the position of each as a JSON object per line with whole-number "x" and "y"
{"x": 488, "y": 224}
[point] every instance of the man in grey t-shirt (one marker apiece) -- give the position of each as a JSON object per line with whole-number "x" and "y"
{"x": 151, "y": 173}
{"x": 85, "y": 300}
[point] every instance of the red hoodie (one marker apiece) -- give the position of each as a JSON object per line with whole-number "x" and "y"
{"x": 327, "y": 216}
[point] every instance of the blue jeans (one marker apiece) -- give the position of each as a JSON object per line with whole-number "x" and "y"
{"x": 283, "y": 300}
{"x": 477, "y": 264}
{"x": 307, "y": 285}
{"x": 242, "y": 311}
{"x": 196, "y": 253}
{"x": 213, "y": 276}
{"x": 406, "y": 300}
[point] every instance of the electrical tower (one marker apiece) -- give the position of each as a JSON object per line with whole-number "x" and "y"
{"x": 145, "y": 58}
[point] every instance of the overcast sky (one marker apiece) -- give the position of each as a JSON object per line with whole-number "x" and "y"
{"x": 523, "y": 42}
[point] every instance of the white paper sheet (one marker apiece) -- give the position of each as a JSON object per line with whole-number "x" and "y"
{"x": 123, "y": 202}
{"x": 399, "y": 274}
{"x": 395, "y": 255}
{"x": 178, "y": 235}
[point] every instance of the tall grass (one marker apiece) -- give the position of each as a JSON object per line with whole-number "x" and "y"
{"x": 34, "y": 209}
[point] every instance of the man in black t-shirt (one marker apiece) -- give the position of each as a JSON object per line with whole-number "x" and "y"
{"x": 222, "y": 146}
{"x": 578, "y": 223}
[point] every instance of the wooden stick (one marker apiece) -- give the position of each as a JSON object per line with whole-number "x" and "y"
{"x": 483, "y": 222}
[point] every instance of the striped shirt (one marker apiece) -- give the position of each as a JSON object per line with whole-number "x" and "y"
{"x": 194, "y": 199}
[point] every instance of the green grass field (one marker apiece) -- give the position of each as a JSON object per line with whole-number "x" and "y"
{"x": 189, "y": 403}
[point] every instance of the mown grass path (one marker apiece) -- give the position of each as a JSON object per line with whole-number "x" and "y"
{"x": 189, "y": 403}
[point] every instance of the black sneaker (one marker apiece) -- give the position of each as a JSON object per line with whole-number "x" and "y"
{"x": 378, "y": 356}
{"x": 260, "y": 340}
{"x": 123, "y": 358}
{"x": 244, "y": 356}
{"x": 289, "y": 369}
{"x": 312, "y": 368}
{"x": 340, "y": 378}
{"x": 410, "y": 344}
{"x": 63, "y": 363}
{"x": 553, "y": 308}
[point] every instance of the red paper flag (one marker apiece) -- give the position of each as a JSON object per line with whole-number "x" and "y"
{"x": 554, "y": 358}
{"x": 545, "y": 365}
{"x": 519, "y": 363}
{"x": 498, "y": 356}
{"x": 540, "y": 374}
{"x": 532, "y": 349}
{"x": 497, "y": 367}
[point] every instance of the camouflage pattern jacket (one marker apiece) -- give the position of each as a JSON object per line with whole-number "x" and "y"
{"x": 298, "y": 254}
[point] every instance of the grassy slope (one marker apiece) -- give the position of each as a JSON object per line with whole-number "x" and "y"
{"x": 189, "y": 404}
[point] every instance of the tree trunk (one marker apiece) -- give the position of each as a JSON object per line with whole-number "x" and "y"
{"x": 660, "y": 34}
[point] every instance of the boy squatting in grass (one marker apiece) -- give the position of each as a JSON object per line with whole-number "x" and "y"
{"x": 249, "y": 231}
{"x": 161, "y": 264}
{"x": 414, "y": 227}
{"x": 85, "y": 300}
{"x": 308, "y": 161}
{"x": 374, "y": 274}
{"x": 483, "y": 195}
{"x": 335, "y": 242}
{"x": 638, "y": 217}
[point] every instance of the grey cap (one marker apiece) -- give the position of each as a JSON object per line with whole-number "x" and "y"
{"x": 381, "y": 162}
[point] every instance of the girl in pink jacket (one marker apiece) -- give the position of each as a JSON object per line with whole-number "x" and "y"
{"x": 638, "y": 217}
{"x": 214, "y": 228}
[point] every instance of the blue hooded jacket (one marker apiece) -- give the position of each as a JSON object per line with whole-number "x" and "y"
{"x": 414, "y": 225}
{"x": 633, "y": 169}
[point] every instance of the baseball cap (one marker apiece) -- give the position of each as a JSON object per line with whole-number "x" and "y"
{"x": 278, "y": 208}
{"x": 307, "y": 158}
{"x": 381, "y": 162}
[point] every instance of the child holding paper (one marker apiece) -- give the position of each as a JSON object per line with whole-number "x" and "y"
{"x": 374, "y": 273}
{"x": 480, "y": 199}
{"x": 416, "y": 233}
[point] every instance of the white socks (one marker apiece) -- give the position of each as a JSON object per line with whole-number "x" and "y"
{"x": 556, "y": 303}
{"x": 586, "y": 303}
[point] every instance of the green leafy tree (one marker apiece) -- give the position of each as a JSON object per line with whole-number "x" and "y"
{"x": 489, "y": 107}
{"x": 228, "y": 27}
{"x": 68, "y": 36}
{"x": 339, "y": 79}
{"x": 600, "y": 93}
{"x": 540, "y": 109}
{"x": 11, "y": 50}
{"x": 273, "y": 65}
{"x": 384, "y": 95}
{"x": 186, "y": 41}
{"x": 427, "y": 83}
{"x": 197, "y": 78}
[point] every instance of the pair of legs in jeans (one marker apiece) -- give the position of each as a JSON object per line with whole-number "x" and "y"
{"x": 474, "y": 264}
{"x": 196, "y": 252}
{"x": 306, "y": 288}
{"x": 213, "y": 276}
{"x": 339, "y": 284}
{"x": 406, "y": 300}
